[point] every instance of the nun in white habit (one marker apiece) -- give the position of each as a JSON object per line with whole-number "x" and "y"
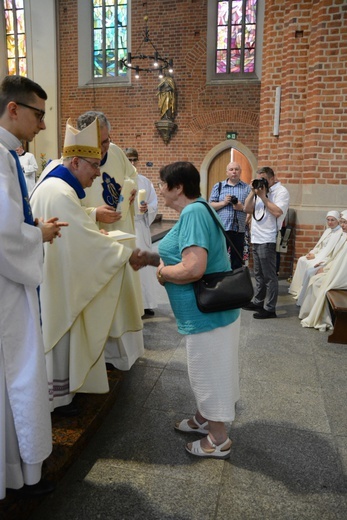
{"x": 315, "y": 310}
{"x": 309, "y": 264}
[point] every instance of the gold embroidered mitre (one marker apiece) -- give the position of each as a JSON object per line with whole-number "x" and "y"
{"x": 82, "y": 143}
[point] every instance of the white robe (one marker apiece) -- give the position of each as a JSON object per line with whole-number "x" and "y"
{"x": 144, "y": 240}
{"x": 122, "y": 351}
{"x": 87, "y": 291}
{"x": 315, "y": 309}
{"x": 25, "y": 423}
{"x": 322, "y": 250}
{"x": 29, "y": 165}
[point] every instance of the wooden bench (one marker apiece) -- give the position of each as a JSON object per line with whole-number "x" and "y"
{"x": 337, "y": 299}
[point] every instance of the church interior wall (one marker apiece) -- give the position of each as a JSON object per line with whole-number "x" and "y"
{"x": 304, "y": 52}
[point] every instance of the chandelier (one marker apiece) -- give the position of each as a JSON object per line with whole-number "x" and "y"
{"x": 147, "y": 58}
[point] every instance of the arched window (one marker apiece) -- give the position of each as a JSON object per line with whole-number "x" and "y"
{"x": 16, "y": 53}
{"x": 234, "y": 39}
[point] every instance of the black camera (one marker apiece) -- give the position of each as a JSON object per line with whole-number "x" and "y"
{"x": 234, "y": 200}
{"x": 259, "y": 184}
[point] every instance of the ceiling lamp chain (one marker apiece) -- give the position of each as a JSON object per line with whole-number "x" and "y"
{"x": 147, "y": 62}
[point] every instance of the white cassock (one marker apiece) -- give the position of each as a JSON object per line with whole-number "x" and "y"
{"x": 122, "y": 351}
{"x": 315, "y": 309}
{"x": 29, "y": 165}
{"x": 25, "y": 422}
{"x": 322, "y": 250}
{"x": 144, "y": 240}
{"x": 87, "y": 292}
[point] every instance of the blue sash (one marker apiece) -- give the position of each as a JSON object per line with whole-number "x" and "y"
{"x": 28, "y": 215}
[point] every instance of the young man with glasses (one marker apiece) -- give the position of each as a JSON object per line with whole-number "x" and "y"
{"x": 25, "y": 431}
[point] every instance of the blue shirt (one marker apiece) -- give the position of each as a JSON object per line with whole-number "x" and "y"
{"x": 195, "y": 228}
{"x": 233, "y": 220}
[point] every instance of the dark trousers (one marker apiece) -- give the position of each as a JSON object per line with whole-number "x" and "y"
{"x": 265, "y": 274}
{"x": 238, "y": 240}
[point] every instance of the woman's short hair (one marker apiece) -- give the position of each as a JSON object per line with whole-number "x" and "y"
{"x": 183, "y": 174}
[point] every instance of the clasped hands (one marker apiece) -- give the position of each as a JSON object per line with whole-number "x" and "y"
{"x": 139, "y": 259}
{"x": 50, "y": 228}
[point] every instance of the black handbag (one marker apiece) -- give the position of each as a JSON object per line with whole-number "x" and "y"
{"x": 226, "y": 290}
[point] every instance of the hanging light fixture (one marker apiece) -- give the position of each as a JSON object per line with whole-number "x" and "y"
{"x": 147, "y": 58}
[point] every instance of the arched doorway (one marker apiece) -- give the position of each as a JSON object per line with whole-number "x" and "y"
{"x": 214, "y": 164}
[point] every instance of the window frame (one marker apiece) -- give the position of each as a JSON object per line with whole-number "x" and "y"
{"x": 217, "y": 78}
{"x": 3, "y": 43}
{"x": 86, "y": 51}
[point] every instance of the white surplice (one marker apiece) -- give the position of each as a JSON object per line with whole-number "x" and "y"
{"x": 25, "y": 423}
{"x": 144, "y": 240}
{"x": 87, "y": 291}
{"x": 121, "y": 351}
{"x": 29, "y": 165}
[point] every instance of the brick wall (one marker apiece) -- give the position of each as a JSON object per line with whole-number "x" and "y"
{"x": 205, "y": 113}
{"x": 305, "y": 51}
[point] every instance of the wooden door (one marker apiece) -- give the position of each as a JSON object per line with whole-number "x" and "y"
{"x": 218, "y": 166}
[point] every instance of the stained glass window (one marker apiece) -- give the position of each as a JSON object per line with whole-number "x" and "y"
{"x": 236, "y": 35}
{"x": 15, "y": 37}
{"x": 110, "y": 37}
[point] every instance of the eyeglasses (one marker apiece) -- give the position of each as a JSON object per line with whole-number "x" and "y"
{"x": 40, "y": 114}
{"x": 94, "y": 165}
{"x": 107, "y": 141}
{"x": 132, "y": 160}
{"x": 161, "y": 185}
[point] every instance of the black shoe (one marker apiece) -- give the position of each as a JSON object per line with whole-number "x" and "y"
{"x": 252, "y": 307}
{"x": 70, "y": 410}
{"x": 264, "y": 315}
{"x": 149, "y": 312}
{"x": 43, "y": 487}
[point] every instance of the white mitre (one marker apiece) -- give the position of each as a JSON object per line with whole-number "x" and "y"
{"x": 82, "y": 143}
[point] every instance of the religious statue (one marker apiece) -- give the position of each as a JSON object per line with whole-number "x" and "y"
{"x": 167, "y": 98}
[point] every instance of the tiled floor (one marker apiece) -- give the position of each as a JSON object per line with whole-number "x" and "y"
{"x": 289, "y": 454}
{"x": 289, "y": 457}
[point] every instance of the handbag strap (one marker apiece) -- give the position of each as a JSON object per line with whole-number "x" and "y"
{"x": 221, "y": 227}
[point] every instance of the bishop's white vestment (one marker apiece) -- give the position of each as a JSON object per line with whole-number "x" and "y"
{"x": 87, "y": 292}
{"x": 122, "y": 352}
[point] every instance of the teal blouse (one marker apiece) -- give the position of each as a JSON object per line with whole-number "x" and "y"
{"x": 195, "y": 227}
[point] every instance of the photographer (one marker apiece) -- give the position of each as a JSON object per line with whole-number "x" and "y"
{"x": 227, "y": 198}
{"x": 268, "y": 202}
